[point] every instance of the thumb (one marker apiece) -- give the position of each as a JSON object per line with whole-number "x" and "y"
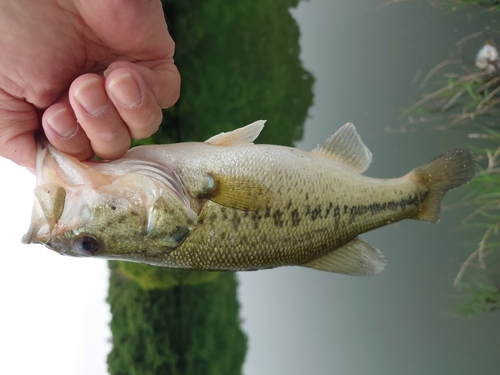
{"x": 18, "y": 124}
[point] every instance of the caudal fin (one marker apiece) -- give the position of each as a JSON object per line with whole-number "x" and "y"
{"x": 444, "y": 173}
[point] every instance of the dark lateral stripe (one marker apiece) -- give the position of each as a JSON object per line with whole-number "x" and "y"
{"x": 279, "y": 217}
{"x": 393, "y": 205}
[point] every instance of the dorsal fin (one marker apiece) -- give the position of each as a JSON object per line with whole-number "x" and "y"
{"x": 347, "y": 147}
{"x": 246, "y": 134}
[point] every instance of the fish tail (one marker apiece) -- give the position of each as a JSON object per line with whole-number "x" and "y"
{"x": 442, "y": 174}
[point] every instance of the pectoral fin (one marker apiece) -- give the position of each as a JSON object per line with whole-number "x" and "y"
{"x": 356, "y": 258}
{"x": 237, "y": 192}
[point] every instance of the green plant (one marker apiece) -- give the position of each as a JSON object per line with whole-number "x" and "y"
{"x": 152, "y": 277}
{"x": 480, "y": 298}
{"x": 483, "y": 294}
{"x": 182, "y": 330}
{"x": 455, "y": 5}
{"x": 466, "y": 95}
{"x": 461, "y": 98}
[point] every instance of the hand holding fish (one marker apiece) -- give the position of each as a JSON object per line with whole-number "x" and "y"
{"x": 93, "y": 75}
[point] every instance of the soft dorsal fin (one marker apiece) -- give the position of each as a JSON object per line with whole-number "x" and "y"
{"x": 356, "y": 258}
{"x": 246, "y": 134}
{"x": 347, "y": 147}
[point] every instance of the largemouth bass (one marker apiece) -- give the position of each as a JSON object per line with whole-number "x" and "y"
{"x": 230, "y": 204}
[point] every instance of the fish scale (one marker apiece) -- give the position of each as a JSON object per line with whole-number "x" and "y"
{"x": 269, "y": 238}
{"x": 229, "y": 204}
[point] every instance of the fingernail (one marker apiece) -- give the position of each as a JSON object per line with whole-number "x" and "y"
{"x": 63, "y": 123}
{"x": 92, "y": 96}
{"x": 125, "y": 90}
{"x": 107, "y": 71}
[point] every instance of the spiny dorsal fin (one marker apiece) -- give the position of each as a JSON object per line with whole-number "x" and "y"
{"x": 237, "y": 192}
{"x": 347, "y": 147}
{"x": 246, "y": 134}
{"x": 356, "y": 258}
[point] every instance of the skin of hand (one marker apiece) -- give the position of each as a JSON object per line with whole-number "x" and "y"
{"x": 93, "y": 74}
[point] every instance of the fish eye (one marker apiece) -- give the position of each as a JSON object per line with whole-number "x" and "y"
{"x": 86, "y": 245}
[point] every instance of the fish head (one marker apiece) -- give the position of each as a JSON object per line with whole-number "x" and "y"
{"x": 128, "y": 210}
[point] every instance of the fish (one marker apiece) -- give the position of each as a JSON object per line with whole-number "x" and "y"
{"x": 228, "y": 204}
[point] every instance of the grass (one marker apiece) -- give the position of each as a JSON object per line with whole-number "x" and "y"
{"x": 465, "y": 95}
{"x": 482, "y": 293}
{"x": 458, "y": 4}
{"x": 480, "y": 298}
{"x": 459, "y": 93}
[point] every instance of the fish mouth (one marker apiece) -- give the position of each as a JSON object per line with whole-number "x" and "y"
{"x": 50, "y": 193}
{"x": 59, "y": 179}
{"x": 30, "y": 238}
{"x": 39, "y": 230}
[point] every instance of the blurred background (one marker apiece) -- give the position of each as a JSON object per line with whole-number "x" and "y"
{"x": 405, "y": 73}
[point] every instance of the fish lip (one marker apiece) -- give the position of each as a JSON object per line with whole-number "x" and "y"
{"x": 33, "y": 234}
{"x": 49, "y": 242}
{"x": 38, "y": 220}
{"x": 58, "y": 247}
{"x": 28, "y": 238}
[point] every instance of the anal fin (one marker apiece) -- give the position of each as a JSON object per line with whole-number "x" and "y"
{"x": 356, "y": 258}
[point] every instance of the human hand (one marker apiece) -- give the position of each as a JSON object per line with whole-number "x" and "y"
{"x": 93, "y": 74}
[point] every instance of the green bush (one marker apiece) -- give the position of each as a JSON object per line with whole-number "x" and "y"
{"x": 152, "y": 277}
{"x": 185, "y": 329}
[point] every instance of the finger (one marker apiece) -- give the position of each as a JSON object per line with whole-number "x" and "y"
{"x": 161, "y": 77}
{"x": 108, "y": 134}
{"x": 64, "y": 133}
{"x": 18, "y": 123}
{"x": 134, "y": 101}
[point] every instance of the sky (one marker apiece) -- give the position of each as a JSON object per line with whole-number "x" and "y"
{"x": 53, "y": 313}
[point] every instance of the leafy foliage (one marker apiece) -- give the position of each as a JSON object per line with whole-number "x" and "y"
{"x": 151, "y": 277}
{"x": 181, "y": 330}
{"x": 239, "y": 62}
